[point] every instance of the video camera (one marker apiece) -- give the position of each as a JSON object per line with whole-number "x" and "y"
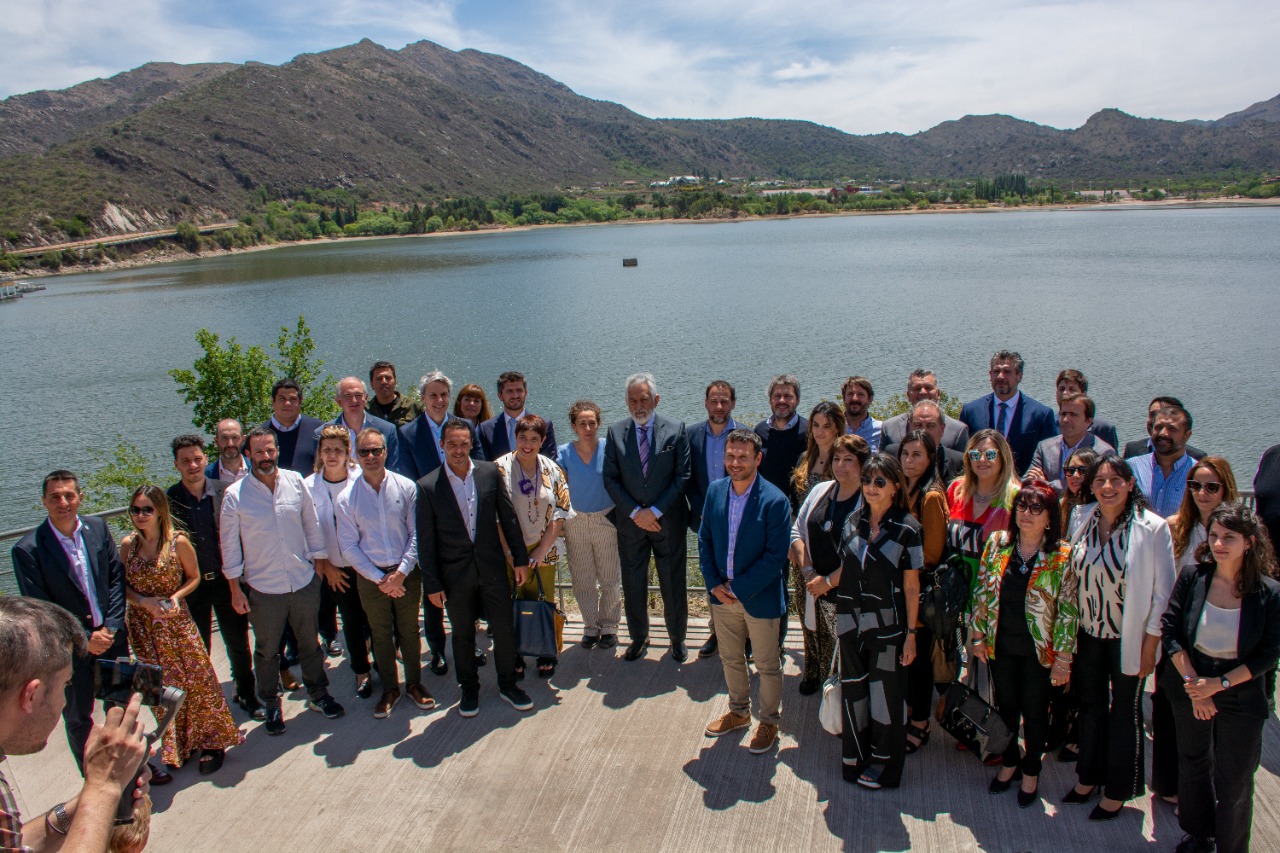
{"x": 115, "y": 681}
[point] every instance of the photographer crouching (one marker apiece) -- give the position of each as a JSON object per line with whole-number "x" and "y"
{"x": 37, "y": 643}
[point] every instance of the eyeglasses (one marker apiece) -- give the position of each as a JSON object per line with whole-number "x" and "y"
{"x": 1074, "y": 470}
{"x": 989, "y": 455}
{"x": 142, "y": 510}
{"x": 371, "y": 451}
{"x": 1196, "y": 486}
{"x": 1030, "y": 507}
{"x": 878, "y": 482}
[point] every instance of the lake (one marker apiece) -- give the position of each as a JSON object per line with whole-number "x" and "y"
{"x": 1143, "y": 301}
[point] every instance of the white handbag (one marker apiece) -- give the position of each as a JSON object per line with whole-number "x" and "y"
{"x": 831, "y": 707}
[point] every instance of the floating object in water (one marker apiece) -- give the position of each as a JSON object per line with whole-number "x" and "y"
{"x": 630, "y": 262}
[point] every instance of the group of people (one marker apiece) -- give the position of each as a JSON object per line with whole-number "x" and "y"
{"x": 402, "y": 508}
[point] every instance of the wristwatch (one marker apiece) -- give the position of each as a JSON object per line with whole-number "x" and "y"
{"x": 911, "y": 632}
{"x": 1226, "y": 683}
{"x": 59, "y": 813}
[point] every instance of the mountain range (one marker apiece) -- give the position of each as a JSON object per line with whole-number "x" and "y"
{"x": 168, "y": 142}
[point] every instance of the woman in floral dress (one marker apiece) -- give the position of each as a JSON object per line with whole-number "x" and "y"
{"x": 160, "y": 571}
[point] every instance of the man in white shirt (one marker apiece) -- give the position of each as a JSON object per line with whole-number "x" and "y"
{"x": 272, "y": 540}
{"x": 378, "y": 537}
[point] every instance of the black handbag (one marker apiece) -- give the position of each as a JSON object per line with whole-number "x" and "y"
{"x": 538, "y": 624}
{"x": 971, "y": 719}
{"x": 944, "y": 598}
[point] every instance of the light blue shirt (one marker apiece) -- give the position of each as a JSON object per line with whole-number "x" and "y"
{"x": 586, "y": 479}
{"x": 715, "y": 450}
{"x": 1163, "y": 493}
{"x": 870, "y": 430}
{"x": 737, "y": 506}
{"x": 437, "y": 432}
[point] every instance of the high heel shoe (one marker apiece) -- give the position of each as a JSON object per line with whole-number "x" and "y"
{"x": 1027, "y": 799}
{"x": 1101, "y": 814}
{"x": 999, "y": 786}
{"x": 1076, "y": 798}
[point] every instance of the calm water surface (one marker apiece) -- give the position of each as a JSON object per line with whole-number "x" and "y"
{"x": 1143, "y": 301}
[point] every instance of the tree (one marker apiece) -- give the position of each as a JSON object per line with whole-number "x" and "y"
{"x": 232, "y": 381}
{"x": 116, "y": 473}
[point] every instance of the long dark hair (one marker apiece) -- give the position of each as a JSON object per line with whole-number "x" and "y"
{"x": 1136, "y": 502}
{"x": 1087, "y": 456}
{"x": 1259, "y": 560}
{"x": 1044, "y": 493}
{"x": 888, "y": 467}
{"x": 930, "y": 479}
{"x": 800, "y": 474}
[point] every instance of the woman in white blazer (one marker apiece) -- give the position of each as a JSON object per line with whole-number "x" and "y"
{"x": 1123, "y": 555}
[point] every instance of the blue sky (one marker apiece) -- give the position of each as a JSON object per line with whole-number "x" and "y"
{"x": 864, "y": 66}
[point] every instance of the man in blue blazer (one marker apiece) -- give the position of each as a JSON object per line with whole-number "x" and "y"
{"x": 421, "y": 452}
{"x": 351, "y": 396}
{"x": 72, "y": 561}
{"x": 497, "y": 434}
{"x": 742, "y": 546}
{"x": 295, "y": 432}
{"x": 646, "y": 469}
{"x": 1024, "y": 421}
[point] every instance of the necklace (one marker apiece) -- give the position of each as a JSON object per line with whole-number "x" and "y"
{"x": 980, "y": 498}
{"x": 528, "y": 488}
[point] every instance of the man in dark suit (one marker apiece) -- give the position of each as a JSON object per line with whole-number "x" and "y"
{"x": 461, "y": 505}
{"x": 646, "y": 469}
{"x": 1072, "y": 381}
{"x": 1024, "y": 421}
{"x": 706, "y": 461}
{"x": 295, "y": 432}
{"x": 421, "y": 452}
{"x": 1143, "y": 446}
{"x": 923, "y": 385}
{"x": 497, "y": 435}
{"x": 72, "y": 562}
{"x": 742, "y": 546}
{"x": 927, "y": 415}
{"x": 351, "y": 395}
{"x": 196, "y": 503}
{"x": 1075, "y": 414}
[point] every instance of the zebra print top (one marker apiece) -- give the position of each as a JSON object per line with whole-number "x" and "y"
{"x": 1100, "y": 564}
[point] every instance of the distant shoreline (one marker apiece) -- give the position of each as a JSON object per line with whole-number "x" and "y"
{"x": 173, "y": 254}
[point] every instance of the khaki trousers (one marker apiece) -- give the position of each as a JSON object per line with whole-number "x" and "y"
{"x": 733, "y": 626}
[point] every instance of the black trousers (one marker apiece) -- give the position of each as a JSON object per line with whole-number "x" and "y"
{"x": 1064, "y": 716}
{"x": 462, "y": 602}
{"x": 1022, "y": 698}
{"x": 1164, "y": 743}
{"x": 433, "y": 625}
{"x": 78, "y": 712}
{"x": 214, "y": 596}
{"x": 669, "y": 551}
{"x": 1111, "y": 737}
{"x": 873, "y": 692}
{"x": 920, "y": 677}
{"x": 1217, "y": 760}
{"x": 355, "y": 627}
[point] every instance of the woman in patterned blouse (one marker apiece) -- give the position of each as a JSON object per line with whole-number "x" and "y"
{"x": 877, "y": 599}
{"x": 1024, "y": 622}
{"x": 540, "y": 494}
{"x": 1123, "y": 555}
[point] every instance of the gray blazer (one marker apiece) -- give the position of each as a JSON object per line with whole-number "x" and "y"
{"x": 669, "y": 470}
{"x": 1048, "y": 456}
{"x": 954, "y": 433}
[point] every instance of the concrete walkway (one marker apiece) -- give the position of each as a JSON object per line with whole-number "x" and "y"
{"x": 612, "y": 758}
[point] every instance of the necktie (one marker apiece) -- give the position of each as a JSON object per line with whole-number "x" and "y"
{"x": 511, "y": 432}
{"x": 644, "y": 451}
{"x": 1003, "y": 418}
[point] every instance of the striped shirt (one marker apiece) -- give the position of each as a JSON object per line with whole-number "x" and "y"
{"x": 1100, "y": 564}
{"x": 10, "y": 818}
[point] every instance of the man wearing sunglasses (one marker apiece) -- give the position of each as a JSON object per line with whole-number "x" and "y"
{"x": 1075, "y": 417}
{"x": 1024, "y": 421}
{"x": 378, "y": 536}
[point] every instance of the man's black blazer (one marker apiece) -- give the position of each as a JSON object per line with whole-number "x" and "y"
{"x": 493, "y": 438}
{"x": 696, "y": 488}
{"x": 448, "y": 557}
{"x": 43, "y": 571}
{"x": 669, "y": 470}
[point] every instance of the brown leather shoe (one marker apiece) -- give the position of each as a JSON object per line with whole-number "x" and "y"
{"x": 730, "y": 722}
{"x": 386, "y": 703}
{"x": 420, "y": 697}
{"x": 763, "y": 740}
{"x": 287, "y": 680}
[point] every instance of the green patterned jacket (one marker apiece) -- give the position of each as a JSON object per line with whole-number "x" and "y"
{"x": 1053, "y": 613}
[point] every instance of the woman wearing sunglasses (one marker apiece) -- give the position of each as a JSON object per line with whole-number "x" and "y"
{"x": 877, "y": 603}
{"x": 1222, "y": 634}
{"x": 1024, "y": 623}
{"x": 1075, "y": 492}
{"x": 1210, "y": 483}
{"x": 978, "y": 501}
{"x": 160, "y": 571}
{"x": 334, "y": 471}
{"x": 927, "y": 501}
{"x": 815, "y": 551}
{"x": 540, "y": 494}
{"x": 1123, "y": 555}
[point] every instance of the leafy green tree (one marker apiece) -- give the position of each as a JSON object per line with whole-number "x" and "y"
{"x": 232, "y": 381}
{"x": 116, "y": 473}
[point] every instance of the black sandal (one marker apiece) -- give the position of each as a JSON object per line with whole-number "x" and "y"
{"x": 546, "y": 667}
{"x": 211, "y": 760}
{"x": 921, "y": 735}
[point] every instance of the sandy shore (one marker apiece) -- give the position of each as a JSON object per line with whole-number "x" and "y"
{"x": 170, "y": 253}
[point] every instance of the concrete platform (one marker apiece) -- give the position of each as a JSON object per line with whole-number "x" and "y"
{"x": 612, "y": 758}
